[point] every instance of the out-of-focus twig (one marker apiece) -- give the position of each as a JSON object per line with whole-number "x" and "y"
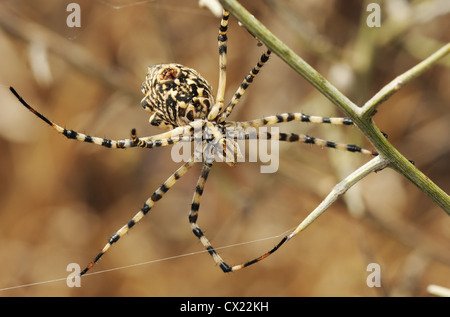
{"x": 74, "y": 54}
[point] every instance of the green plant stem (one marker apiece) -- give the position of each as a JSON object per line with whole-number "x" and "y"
{"x": 395, "y": 85}
{"x": 365, "y": 123}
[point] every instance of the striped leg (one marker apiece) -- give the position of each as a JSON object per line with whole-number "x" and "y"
{"x": 238, "y": 267}
{"x": 292, "y": 137}
{"x": 287, "y": 117}
{"x": 157, "y": 195}
{"x": 251, "y": 134}
{"x": 70, "y": 134}
{"x": 217, "y": 108}
{"x": 193, "y": 215}
{"x": 245, "y": 83}
{"x": 186, "y": 130}
{"x": 151, "y": 143}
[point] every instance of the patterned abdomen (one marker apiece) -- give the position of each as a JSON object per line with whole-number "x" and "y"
{"x": 175, "y": 95}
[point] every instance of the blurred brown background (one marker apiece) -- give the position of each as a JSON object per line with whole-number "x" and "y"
{"x": 61, "y": 199}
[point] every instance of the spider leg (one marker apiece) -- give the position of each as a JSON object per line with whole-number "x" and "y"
{"x": 216, "y": 109}
{"x": 292, "y": 137}
{"x": 287, "y": 117}
{"x": 244, "y": 85}
{"x": 285, "y": 239}
{"x": 71, "y": 134}
{"x": 193, "y": 215}
{"x": 238, "y": 267}
{"x": 155, "y": 141}
{"x": 157, "y": 195}
{"x": 302, "y": 138}
{"x": 187, "y": 130}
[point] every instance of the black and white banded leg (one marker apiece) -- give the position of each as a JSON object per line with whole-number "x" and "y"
{"x": 156, "y": 196}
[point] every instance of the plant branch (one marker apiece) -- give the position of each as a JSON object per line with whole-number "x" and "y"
{"x": 341, "y": 188}
{"x": 396, "y": 160}
{"x": 387, "y": 91}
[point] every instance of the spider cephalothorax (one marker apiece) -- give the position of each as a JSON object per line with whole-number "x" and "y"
{"x": 175, "y": 95}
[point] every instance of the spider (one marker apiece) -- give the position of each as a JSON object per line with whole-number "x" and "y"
{"x": 180, "y": 100}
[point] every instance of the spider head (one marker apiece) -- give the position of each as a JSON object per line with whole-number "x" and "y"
{"x": 175, "y": 95}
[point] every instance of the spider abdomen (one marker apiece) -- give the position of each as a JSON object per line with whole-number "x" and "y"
{"x": 175, "y": 95}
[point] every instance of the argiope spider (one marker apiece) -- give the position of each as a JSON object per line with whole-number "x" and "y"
{"x": 180, "y": 100}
